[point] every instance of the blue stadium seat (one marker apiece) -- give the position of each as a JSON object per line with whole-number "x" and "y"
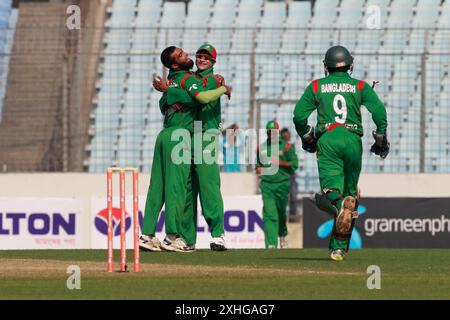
{"x": 174, "y": 14}
{"x": 294, "y": 37}
{"x": 324, "y": 13}
{"x": 440, "y": 41}
{"x": 122, "y": 13}
{"x": 149, "y": 13}
{"x": 444, "y": 19}
{"x": 129, "y": 147}
{"x": 269, "y": 37}
{"x": 249, "y": 14}
{"x": 172, "y": 24}
{"x": 224, "y": 13}
{"x": 350, "y": 13}
{"x": 199, "y": 13}
{"x": 401, "y": 13}
{"x": 144, "y": 41}
{"x": 8, "y": 20}
{"x": 390, "y": 55}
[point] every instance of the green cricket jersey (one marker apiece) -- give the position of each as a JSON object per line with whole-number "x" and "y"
{"x": 182, "y": 118}
{"x": 338, "y": 99}
{"x": 210, "y": 114}
{"x": 286, "y": 152}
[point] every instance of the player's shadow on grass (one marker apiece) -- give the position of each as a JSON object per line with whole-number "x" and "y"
{"x": 298, "y": 258}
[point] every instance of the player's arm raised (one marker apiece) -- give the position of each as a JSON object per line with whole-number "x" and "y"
{"x": 196, "y": 89}
{"x": 216, "y": 81}
{"x": 180, "y": 97}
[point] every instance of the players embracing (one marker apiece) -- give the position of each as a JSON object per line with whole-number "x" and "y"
{"x": 195, "y": 98}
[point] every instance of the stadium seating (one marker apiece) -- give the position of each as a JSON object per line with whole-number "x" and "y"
{"x": 288, "y": 40}
{"x": 268, "y": 40}
{"x": 8, "y": 19}
{"x": 293, "y": 39}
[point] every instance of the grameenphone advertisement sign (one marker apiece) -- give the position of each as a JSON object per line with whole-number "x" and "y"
{"x": 385, "y": 223}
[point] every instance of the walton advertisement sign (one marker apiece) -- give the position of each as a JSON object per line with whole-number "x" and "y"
{"x": 40, "y": 223}
{"x": 385, "y": 223}
{"x": 243, "y": 223}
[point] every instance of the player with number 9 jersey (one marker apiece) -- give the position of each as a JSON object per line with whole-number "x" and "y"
{"x": 338, "y": 99}
{"x": 337, "y": 139}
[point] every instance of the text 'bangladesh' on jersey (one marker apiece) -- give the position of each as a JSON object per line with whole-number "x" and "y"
{"x": 338, "y": 99}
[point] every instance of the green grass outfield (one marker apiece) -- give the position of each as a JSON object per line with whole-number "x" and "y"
{"x": 234, "y": 274}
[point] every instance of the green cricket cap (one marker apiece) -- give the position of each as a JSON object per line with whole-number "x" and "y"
{"x": 208, "y": 49}
{"x": 272, "y": 125}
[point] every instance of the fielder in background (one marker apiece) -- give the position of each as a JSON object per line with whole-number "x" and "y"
{"x": 168, "y": 182}
{"x": 337, "y": 140}
{"x": 293, "y": 215}
{"x": 204, "y": 179}
{"x": 275, "y": 187}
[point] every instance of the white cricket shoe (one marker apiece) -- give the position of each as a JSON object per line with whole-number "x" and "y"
{"x": 180, "y": 246}
{"x": 148, "y": 243}
{"x": 337, "y": 255}
{"x": 283, "y": 243}
{"x": 167, "y": 245}
{"x": 218, "y": 243}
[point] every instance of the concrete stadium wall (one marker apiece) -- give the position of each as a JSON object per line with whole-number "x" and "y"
{"x": 405, "y": 185}
{"x": 88, "y": 184}
{"x": 233, "y": 184}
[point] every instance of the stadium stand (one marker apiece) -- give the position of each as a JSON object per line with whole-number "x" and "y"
{"x": 279, "y": 46}
{"x": 45, "y": 116}
{"x": 268, "y": 51}
{"x": 32, "y": 95}
{"x": 8, "y": 20}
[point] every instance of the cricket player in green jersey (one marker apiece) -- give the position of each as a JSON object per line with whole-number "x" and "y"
{"x": 337, "y": 140}
{"x": 275, "y": 187}
{"x": 205, "y": 175}
{"x": 172, "y": 157}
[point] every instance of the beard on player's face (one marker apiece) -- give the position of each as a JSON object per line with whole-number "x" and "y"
{"x": 186, "y": 65}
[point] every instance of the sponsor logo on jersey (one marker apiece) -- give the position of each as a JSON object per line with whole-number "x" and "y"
{"x": 347, "y": 125}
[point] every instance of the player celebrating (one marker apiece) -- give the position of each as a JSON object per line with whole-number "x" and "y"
{"x": 169, "y": 179}
{"x": 205, "y": 176}
{"x": 275, "y": 187}
{"x": 337, "y": 139}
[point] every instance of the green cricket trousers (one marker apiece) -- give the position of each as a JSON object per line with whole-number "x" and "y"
{"x": 204, "y": 181}
{"x": 167, "y": 185}
{"x": 339, "y": 157}
{"x": 275, "y": 197}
